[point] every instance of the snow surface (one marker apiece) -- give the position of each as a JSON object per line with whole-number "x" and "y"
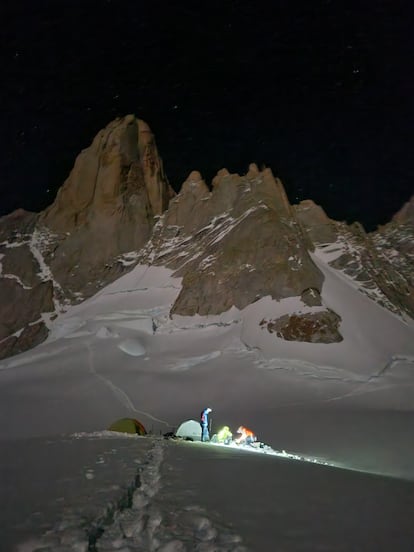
{"x": 67, "y": 484}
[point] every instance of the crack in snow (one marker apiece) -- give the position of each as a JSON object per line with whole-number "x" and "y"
{"x": 143, "y": 521}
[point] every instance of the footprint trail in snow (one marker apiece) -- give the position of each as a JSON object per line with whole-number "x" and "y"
{"x": 155, "y": 524}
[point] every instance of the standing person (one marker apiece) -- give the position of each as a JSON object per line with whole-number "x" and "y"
{"x": 205, "y": 435}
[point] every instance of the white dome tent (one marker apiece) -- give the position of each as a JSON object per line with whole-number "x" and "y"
{"x": 189, "y": 429}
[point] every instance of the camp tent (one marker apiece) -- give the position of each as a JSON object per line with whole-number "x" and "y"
{"x": 128, "y": 425}
{"x": 189, "y": 430}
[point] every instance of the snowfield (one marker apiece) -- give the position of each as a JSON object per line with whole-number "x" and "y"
{"x": 346, "y": 408}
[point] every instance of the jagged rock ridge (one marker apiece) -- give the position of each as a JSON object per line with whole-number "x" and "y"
{"x": 381, "y": 262}
{"x": 243, "y": 243}
{"x": 232, "y": 244}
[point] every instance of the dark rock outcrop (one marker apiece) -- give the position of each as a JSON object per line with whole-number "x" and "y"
{"x": 311, "y": 297}
{"x": 21, "y": 306}
{"x": 315, "y": 327}
{"x": 32, "y": 335}
{"x": 25, "y": 299}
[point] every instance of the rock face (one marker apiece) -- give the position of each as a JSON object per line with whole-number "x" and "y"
{"x": 106, "y": 207}
{"x": 63, "y": 255}
{"x": 381, "y": 263}
{"x": 315, "y": 327}
{"x": 232, "y": 244}
{"x": 24, "y": 296}
{"x": 405, "y": 215}
{"x": 393, "y": 244}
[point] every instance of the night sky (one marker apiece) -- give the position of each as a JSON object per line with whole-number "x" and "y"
{"x": 320, "y": 91}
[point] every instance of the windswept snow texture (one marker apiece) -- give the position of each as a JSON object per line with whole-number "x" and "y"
{"x": 70, "y": 485}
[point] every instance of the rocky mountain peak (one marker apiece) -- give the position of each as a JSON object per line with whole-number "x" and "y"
{"x": 406, "y": 214}
{"x": 194, "y": 184}
{"x": 253, "y": 171}
{"x": 232, "y": 243}
{"x": 105, "y": 208}
{"x": 107, "y": 205}
{"x": 119, "y": 167}
{"x": 319, "y": 227}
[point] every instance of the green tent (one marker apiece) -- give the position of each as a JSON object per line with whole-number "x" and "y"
{"x": 128, "y": 425}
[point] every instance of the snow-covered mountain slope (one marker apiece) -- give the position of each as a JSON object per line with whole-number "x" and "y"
{"x": 121, "y": 353}
{"x": 233, "y": 244}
